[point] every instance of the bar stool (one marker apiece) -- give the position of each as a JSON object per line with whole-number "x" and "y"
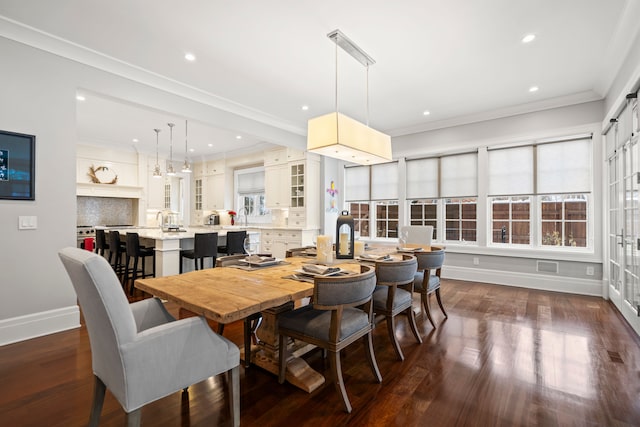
{"x": 136, "y": 251}
{"x": 205, "y": 245}
{"x": 235, "y": 243}
{"x": 116, "y": 251}
{"x": 101, "y": 242}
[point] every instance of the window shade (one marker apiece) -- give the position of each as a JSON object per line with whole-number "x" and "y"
{"x": 356, "y": 181}
{"x": 511, "y": 171}
{"x": 384, "y": 181}
{"x": 251, "y": 182}
{"x": 564, "y": 167}
{"x": 459, "y": 175}
{"x": 422, "y": 178}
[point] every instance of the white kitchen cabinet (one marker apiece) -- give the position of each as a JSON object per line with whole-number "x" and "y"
{"x": 276, "y": 186}
{"x": 155, "y": 193}
{"x": 278, "y": 240}
{"x": 214, "y": 192}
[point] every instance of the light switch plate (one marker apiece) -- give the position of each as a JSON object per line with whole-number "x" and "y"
{"x": 27, "y": 222}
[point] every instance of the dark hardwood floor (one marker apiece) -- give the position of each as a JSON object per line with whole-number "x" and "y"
{"x": 505, "y": 357}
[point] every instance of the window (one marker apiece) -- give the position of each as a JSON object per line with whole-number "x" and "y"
{"x": 360, "y": 214}
{"x": 250, "y": 193}
{"x": 371, "y": 192}
{"x": 544, "y": 187}
{"x": 443, "y": 190}
{"x": 460, "y": 217}
{"x": 167, "y": 195}
{"x": 424, "y": 212}
{"x": 564, "y": 220}
{"x": 510, "y": 220}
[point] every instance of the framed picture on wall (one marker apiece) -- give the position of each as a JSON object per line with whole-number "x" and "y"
{"x": 17, "y": 166}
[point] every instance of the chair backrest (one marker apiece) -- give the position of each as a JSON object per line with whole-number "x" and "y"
{"x": 225, "y": 261}
{"x": 101, "y": 240}
{"x": 132, "y": 244}
{"x": 106, "y": 311}
{"x": 415, "y": 235}
{"x": 205, "y": 245}
{"x": 114, "y": 241}
{"x": 350, "y": 290}
{"x": 430, "y": 260}
{"x": 235, "y": 242}
{"x": 398, "y": 272}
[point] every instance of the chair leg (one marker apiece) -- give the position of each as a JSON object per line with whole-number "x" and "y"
{"x": 220, "y": 328}
{"x": 371, "y": 357}
{"x": 336, "y": 371}
{"x": 440, "y": 303}
{"x": 234, "y": 395}
{"x": 133, "y": 418}
{"x": 247, "y": 342}
{"x": 425, "y": 304}
{"x": 412, "y": 324}
{"x": 98, "y": 399}
{"x": 282, "y": 358}
{"x": 134, "y": 273}
{"x": 391, "y": 328}
{"x": 180, "y": 266}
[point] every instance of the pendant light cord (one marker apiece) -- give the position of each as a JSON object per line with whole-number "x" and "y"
{"x": 367, "y": 94}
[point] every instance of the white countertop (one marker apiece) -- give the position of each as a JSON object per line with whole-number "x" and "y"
{"x": 157, "y": 234}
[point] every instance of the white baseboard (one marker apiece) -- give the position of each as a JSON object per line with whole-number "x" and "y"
{"x": 38, "y": 324}
{"x": 544, "y": 282}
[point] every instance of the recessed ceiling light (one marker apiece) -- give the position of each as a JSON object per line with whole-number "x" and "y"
{"x": 528, "y": 38}
{"x": 210, "y": 145}
{"x": 192, "y": 150}
{"x": 305, "y": 107}
{"x": 80, "y": 97}
{"x": 189, "y": 57}
{"x": 238, "y": 136}
{"x": 135, "y": 139}
{"x": 533, "y": 89}
{"x": 426, "y": 113}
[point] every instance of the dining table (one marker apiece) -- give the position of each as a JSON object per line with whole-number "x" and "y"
{"x": 232, "y": 293}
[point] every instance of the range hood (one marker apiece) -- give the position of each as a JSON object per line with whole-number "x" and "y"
{"x": 108, "y": 190}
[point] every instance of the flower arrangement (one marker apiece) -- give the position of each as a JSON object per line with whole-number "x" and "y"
{"x": 233, "y": 214}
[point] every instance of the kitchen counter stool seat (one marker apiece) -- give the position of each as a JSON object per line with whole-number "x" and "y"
{"x": 135, "y": 252}
{"x": 205, "y": 245}
{"x": 116, "y": 252}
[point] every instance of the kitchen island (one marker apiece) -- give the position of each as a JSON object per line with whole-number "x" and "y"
{"x": 169, "y": 243}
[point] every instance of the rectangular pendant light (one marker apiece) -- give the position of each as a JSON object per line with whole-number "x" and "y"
{"x": 339, "y": 136}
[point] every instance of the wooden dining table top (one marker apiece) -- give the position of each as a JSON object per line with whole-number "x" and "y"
{"x": 227, "y": 294}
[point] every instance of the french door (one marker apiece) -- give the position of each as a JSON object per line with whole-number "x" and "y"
{"x": 623, "y": 243}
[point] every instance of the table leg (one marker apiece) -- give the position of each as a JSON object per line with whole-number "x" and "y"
{"x": 299, "y": 373}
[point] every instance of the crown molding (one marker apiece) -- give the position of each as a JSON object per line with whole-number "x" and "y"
{"x": 33, "y": 37}
{"x": 531, "y": 107}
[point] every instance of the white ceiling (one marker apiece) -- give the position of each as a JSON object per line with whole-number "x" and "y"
{"x": 460, "y": 59}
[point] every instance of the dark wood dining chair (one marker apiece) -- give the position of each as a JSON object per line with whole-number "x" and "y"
{"x": 393, "y": 295}
{"x": 341, "y": 313}
{"x": 427, "y": 279}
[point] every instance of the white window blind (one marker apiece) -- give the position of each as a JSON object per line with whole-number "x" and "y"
{"x": 384, "y": 181}
{"x": 422, "y": 178}
{"x": 511, "y": 171}
{"x": 564, "y": 167}
{"x": 459, "y": 175}
{"x": 250, "y": 182}
{"x": 356, "y": 183}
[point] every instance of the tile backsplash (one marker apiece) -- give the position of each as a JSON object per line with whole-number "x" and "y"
{"x": 106, "y": 211}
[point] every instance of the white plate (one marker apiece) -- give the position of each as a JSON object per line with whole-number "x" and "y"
{"x": 307, "y": 273}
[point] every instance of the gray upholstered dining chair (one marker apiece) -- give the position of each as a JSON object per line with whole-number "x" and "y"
{"x": 139, "y": 351}
{"x": 391, "y": 299}
{"x": 341, "y": 313}
{"x": 427, "y": 283}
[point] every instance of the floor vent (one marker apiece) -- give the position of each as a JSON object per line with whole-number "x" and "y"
{"x": 615, "y": 356}
{"x": 547, "y": 266}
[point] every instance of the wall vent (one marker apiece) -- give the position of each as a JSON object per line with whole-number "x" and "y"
{"x": 547, "y": 267}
